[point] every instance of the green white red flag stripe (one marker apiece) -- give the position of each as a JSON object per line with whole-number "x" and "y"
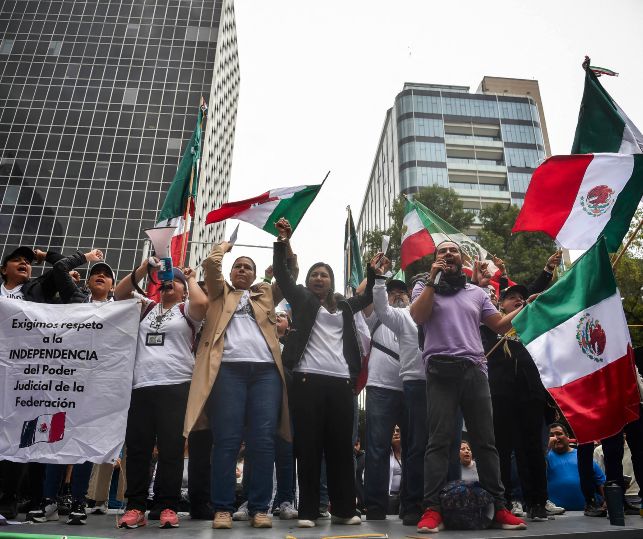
{"x": 264, "y": 210}
{"x": 577, "y": 334}
{"x": 422, "y": 230}
{"x": 576, "y": 198}
{"x": 602, "y": 125}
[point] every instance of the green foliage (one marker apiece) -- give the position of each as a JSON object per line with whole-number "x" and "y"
{"x": 629, "y": 277}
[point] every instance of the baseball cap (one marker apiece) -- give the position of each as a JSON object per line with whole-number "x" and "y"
{"x": 178, "y": 274}
{"x": 27, "y": 252}
{"x": 522, "y": 290}
{"x": 102, "y": 266}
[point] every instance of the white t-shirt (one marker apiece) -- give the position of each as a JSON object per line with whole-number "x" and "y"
{"x": 383, "y": 370}
{"x": 14, "y": 293}
{"x": 164, "y": 350}
{"x": 243, "y": 340}
{"x": 324, "y": 352}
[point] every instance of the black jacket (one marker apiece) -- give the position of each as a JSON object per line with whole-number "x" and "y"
{"x": 305, "y": 305}
{"x": 43, "y": 289}
{"x": 69, "y": 292}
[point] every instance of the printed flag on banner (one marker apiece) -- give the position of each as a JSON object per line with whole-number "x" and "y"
{"x": 264, "y": 210}
{"x": 66, "y": 372}
{"x": 576, "y": 198}
{"x": 48, "y": 428}
{"x": 353, "y": 270}
{"x": 602, "y": 124}
{"x": 577, "y": 334}
{"x": 422, "y": 230}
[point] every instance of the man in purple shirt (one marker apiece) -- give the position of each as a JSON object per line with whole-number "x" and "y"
{"x": 451, "y": 312}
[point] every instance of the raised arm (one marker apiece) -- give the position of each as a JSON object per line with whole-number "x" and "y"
{"x": 285, "y": 232}
{"x": 422, "y": 306}
{"x": 69, "y": 292}
{"x": 198, "y": 300}
{"x": 125, "y": 287}
{"x": 212, "y": 266}
{"x": 392, "y": 318}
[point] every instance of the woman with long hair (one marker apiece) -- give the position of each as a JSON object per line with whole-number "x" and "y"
{"x": 323, "y": 352}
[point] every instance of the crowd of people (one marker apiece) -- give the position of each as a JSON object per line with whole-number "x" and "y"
{"x": 271, "y": 368}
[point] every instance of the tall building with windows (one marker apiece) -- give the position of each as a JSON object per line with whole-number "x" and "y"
{"x": 484, "y": 145}
{"x": 98, "y": 98}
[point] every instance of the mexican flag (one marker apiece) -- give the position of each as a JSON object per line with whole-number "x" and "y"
{"x": 264, "y": 210}
{"x": 47, "y": 428}
{"x": 577, "y": 334}
{"x": 602, "y": 124}
{"x": 353, "y": 271}
{"x": 576, "y": 198}
{"x": 182, "y": 192}
{"x": 422, "y": 230}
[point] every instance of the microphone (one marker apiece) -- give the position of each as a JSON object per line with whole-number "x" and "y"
{"x": 438, "y": 276}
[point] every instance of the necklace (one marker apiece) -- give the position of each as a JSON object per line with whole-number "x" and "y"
{"x": 161, "y": 316}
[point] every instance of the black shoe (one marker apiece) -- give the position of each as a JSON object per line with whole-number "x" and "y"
{"x": 375, "y": 514}
{"x": 593, "y": 510}
{"x": 48, "y": 510}
{"x": 411, "y": 519}
{"x": 155, "y": 514}
{"x": 77, "y": 514}
{"x": 202, "y": 511}
{"x": 537, "y": 513}
{"x": 630, "y": 509}
{"x": 9, "y": 507}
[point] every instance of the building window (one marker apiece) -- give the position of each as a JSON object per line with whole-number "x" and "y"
{"x": 54, "y": 48}
{"x": 6, "y": 45}
{"x": 129, "y": 96}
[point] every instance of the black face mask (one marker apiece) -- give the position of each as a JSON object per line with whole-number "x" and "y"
{"x": 451, "y": 284}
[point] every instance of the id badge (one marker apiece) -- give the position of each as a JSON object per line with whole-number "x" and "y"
{"x": 155, "y": 339}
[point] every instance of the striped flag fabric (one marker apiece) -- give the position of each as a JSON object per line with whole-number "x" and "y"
{"x": 353, "y": 270}
{"x": 576, "y": 198}
{"x": 47, "y": 428}
{"x": 577, "y": 334}
{"x": 264, "y": 210}
{"x": 602, "y": 125}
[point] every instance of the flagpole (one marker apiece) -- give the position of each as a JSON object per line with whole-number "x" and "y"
{"x": 626, "y": 246}
{"x": 347, "y": 238}
{"x": 190, "y": 200}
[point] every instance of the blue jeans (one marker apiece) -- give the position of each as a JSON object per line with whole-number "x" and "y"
{"x": 384, "y": 410}
{"x": 246, "y": 397}
{"x": 54, "y": 474}
{"x": 284, "y": 470}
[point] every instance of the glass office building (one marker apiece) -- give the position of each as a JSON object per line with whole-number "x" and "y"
{"x": 484, "y": 145}
{"x": 97, "y": 100}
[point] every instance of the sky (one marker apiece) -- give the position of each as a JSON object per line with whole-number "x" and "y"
{"x": 318, "y": 77}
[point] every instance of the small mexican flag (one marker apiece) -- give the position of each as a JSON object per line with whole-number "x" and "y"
{"x": 577, "y": 334}
{"x": 602, "y": 124}
{"x": 576, "y": 198}
{"x": 264, "y": 210}
{"x": 353, "y": 270}
{"x": 422, "y": 230}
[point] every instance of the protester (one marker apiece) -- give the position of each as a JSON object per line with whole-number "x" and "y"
{"x": 469, "y": 469}
{"x": 562, "y": 472}
{"x": 451, "y": 311}
{"x": 162, "y": 374}
{"x": 239, "y": 382}
{"x": 396, "y": 472}
{"x": 323, "y": 352}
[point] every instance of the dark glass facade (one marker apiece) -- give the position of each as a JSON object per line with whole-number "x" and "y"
{"x": 97, "y": 99}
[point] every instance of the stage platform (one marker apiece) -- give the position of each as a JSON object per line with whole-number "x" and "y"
{"x": 573, "y": 525}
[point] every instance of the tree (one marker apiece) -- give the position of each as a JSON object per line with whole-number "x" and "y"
{"x": 443, "y": 201}
{"x": 629, "y": 277}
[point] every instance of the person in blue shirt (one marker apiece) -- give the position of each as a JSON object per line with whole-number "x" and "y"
{"x": 563, "y": 481}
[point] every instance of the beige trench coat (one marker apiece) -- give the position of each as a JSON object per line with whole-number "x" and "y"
{"x": 223, "y": 300}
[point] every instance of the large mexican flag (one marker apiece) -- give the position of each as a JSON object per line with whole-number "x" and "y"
{"x": 602, "y": 125}
{"x": 576, "y": 198}
{"x": 264, "y": 210}
{"x": 577, "y": 334}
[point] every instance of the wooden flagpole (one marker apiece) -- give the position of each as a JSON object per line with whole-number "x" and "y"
{"x": 627, "y": 245}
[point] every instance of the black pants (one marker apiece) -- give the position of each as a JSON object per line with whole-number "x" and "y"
{"x": 156, "y": 416}
{"x": 200, "y": 449}
{"x": 323, "y": 421}
{"x": 518, "y": 427}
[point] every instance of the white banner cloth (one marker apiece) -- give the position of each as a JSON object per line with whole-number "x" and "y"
{"x": 66, "y": 378}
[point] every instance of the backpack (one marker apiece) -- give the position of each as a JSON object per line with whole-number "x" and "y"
{"x": 466, "y": 506}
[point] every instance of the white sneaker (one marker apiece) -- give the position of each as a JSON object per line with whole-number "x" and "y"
{"x": 99, "y": 509}
{"x": 553, "y": 509}
{"x": 47, "y": 511}
{"x": 324, "y": 515}
{"x": 353, "y": 521}
{"x": 516, "y": 509}
{"x": 305, "y": 523}
{"x": 287, "y": 511}
{"x": 241, "y": 513}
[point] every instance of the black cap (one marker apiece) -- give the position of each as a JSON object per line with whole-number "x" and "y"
{"x": 522, "y": 290}
{"x": 396, "y": 284}
{"x": 27, "y": 252}
{"x": 102, "y": 266}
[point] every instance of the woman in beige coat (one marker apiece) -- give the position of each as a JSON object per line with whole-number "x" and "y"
{"x": 239, "y": 384}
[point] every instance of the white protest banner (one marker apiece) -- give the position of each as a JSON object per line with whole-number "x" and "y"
{"x": 66, "y": 378}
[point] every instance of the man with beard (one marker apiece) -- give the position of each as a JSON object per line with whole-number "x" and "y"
{"x": 451, "y": 312}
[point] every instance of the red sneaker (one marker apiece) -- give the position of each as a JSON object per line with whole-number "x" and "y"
{"x": 169, "y": 519}
{"x": 504, "y": 520}
{"x": 431, "y": 522}
{"x": 132, "y": 518}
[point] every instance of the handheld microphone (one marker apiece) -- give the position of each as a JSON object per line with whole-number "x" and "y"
{"x": 438, "y": 276}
